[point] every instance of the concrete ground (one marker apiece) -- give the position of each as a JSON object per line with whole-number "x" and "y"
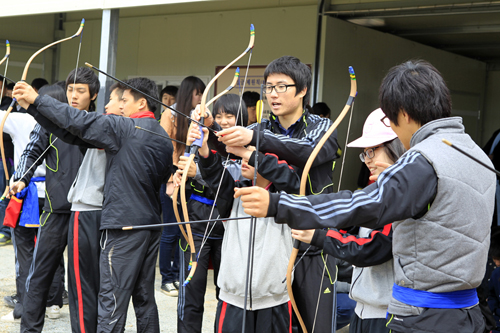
{"x": 167, "y": 306}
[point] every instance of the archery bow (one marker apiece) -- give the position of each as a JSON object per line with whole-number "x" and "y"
{"x": 7, "y": 52}
{"x": 303, "y": 182}
{"x": 187, "y": 151}
{"x": 6, "y": 57}
{"x": 251, "y": 237}
{"x": 194, "y": 149}
{"x": 23, "y": 79}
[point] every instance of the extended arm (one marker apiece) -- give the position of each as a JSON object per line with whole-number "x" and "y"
{"x": 372, "y": 250}
{"x": 279, "y": 172}
{"x": 99, "y": 130}
{"x": 293, "y": 150}
{"x": 62, "y": 134}
{"x": 402, "y": 191}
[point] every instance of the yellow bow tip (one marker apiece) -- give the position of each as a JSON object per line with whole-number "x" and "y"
{"x": 447, "y": 142}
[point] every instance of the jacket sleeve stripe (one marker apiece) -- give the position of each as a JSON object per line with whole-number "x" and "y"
{"x": 279, "y": 161}
{"x": 34, "y": 137}
{"x": 329, "y": 209}
{"x": 360, "y": 241}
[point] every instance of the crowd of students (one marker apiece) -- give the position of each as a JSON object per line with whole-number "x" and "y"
{"x": 415, "y": 241}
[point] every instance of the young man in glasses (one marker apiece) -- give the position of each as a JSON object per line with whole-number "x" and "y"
{"x": 442, "y": 199}
{"x": 291, "y": 133}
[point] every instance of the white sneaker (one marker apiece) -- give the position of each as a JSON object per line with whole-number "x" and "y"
{"x": 10, "y": 318}
{"x": 53, "y": 312}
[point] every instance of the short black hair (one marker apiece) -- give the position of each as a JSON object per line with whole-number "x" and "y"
{"x": 54, "y": 91}
{"x": 38, "y": 83}
{"x": 10, "y": 86}
{"x": 85, "y": 75}
{"x": 119, "y": 88}
{"x": 321, "y": 109}
{"x": 299, "y": 72}
{"x": 231, "y": 103}
{"x": 418, "y": 88}
{"x": 171, "y": 90}
{"x": 145, "y": 85}
{"x": 251, "y": 98}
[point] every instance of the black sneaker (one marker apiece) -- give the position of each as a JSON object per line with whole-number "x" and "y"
{"x": 177, "y": 285}
{"x": 169, "y": 290}
{"x": 11, "y": 301}
{"x": 65, "y": 297}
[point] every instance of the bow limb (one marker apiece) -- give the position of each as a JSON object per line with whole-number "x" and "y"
{"x": 193, "y": 263}
{"x": 228, "y": 89}
{"x": 9, "y": 110}
{"x": 7, "y": 52}
{"x": 198, "y": 143}
{"x": 303, "y": 182}
{"x": 210, "y": 84}
{"x": 176, "y": 212}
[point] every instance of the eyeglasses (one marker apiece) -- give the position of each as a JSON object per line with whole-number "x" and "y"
{"x": 280, "y": 88}
{"x": 370, "y": 153}
{"x": 386, "y": 121}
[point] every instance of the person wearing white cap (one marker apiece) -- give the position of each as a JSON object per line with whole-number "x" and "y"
{"x": 439, "y": 201}
{"x": 370, "y": 251}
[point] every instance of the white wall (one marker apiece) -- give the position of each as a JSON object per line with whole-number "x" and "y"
{"x": 194, "y": 44}
{"x": 372, "y": 54}
{"x": 26, "y": 36}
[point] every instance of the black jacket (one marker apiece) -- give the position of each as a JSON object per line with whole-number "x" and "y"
{"x": 137, "y": 162}
{"x": 283, "y": 178}
{"x": 62, "y": 163}
{"x": 295, "y": 150}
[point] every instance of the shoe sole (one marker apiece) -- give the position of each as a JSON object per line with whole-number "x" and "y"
{"x": 53, "y": 316}
{"x": 170, "y": 293}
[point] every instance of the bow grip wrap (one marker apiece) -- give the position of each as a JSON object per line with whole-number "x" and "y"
{"x": 198, "y": 142}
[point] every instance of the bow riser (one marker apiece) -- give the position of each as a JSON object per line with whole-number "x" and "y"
{"x": 303, "y": 182}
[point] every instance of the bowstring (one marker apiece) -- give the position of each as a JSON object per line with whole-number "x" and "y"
{"x": 74, "y": 80}
{"x": 205, "y": 235}
{"x": 326, "y": 256}
{"x": 72, "y": 95}
{"x": 3, "y": 81}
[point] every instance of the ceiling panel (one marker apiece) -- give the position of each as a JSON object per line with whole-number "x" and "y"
{"x": 469, "y": 28}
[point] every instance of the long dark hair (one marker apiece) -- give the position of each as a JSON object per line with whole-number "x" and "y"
{"x": 184, "y": 104}
{"x": 394, "y": 149}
